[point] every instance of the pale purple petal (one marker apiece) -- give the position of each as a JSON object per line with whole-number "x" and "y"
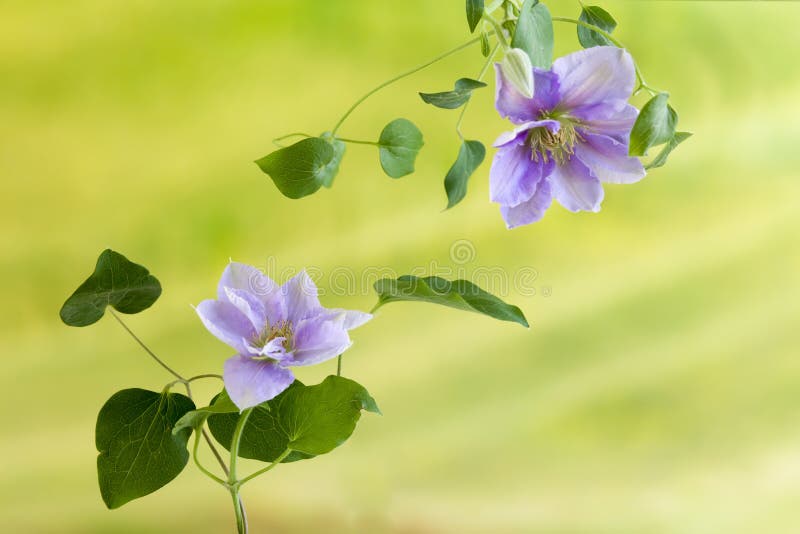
{"x": 227, "y": 323}
{"x": 594, "y": 75}
{"x": 514, "y": 175}
{"x": 517, "y": 135}
{"x": 515, "y": 106}
{"x": 250, "y": 382}
{"x": 249, "y": 305}
{"x": 531, "y": 210}
{"x": 609, "y": 160}
{"x": 300, "y": 296}
{"x": 613, "y": 118}
{"x": 246, "y": 278}
{"x": 350, "y": 318}
{"x": 318, "y": 339}
{"x": 576, "y": 187}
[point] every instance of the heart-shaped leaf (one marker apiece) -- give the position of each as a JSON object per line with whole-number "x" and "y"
{"x": 455, "y": 98}
{"x": 662, "y": 156}
{"x": 116, "y": 281}
{"x": 459, "y": 294}
{"x": 474, "y": 13}
{"x": 399, "y": 144}
{"x": 596, "y": 16}
{"x": 654, "y": 125}
{"x": 534, "y": 33}
{"x": 309, "y": 420}
{"x": 470, "y": 157}
{"x": 222, "y": 404}
{"x": 300, "y": 169}
{"x": 138, "y": 451}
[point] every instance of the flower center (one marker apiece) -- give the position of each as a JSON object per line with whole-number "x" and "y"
{"x": 558, "y": 146}
{"x": 280, "y": 329}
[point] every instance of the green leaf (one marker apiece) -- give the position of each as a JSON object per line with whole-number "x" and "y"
{"x": 310, "y": 420}
{"x": 138, "y": 451}
{"x": 662, "y": 156}
{"x": 470, "y": 156}
{"x": 455, "y": 98}
{"x": 459, "y": 294}
{"x": 596, "y": 16}
{"x": 534, "y": 33}
{"x": 222, "y": 403}
{"x": 116, "y": 281}
{"x": 300, "y": 169}
{"x": 399, "y": 143}
{"x": 329, "y": 172}
{"x": 654, "y": 126}
{"x": 485, "y": 46}
{"x": 474, "y": 13}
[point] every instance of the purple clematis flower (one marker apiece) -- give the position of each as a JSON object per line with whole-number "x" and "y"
{"x": 570, "y": 137}
{"x": 272, "y": 328}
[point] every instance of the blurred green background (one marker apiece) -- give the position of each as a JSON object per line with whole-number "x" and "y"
{"x": 658, "y": 390}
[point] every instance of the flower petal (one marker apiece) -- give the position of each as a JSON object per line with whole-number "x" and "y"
{"x": 227, "y": 323}
{"x": 246, "y": 278}
{"x": 595, "y": 75}
{"x": 609, "y": 159}
{"x": 514, "y": 175}
{"x": 250, "y": 382}
{"x": 614, "y": 118}
{"x": 350, "y": 318}
{"x": 576, "y": 187}
{"x": 318, "y": 339}
{"x": 514, "y": 105}
{"x": 249, "y": 305}
{"x": 531, "y": 210}
{"x": 300, "y": 296}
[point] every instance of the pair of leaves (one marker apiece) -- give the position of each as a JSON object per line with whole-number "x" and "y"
{"x": 656, "y": 126}
{"x": 139, "y": 453}
{"x": 459, "y": 294}
{"x": 301, "y": 169}
{"x": 117, "y": 282}
{"x": 309, "y": 420}
{"x": 596, "y": 16}
{"x": 534, "y": 33}
{"x": 456, "y": 98}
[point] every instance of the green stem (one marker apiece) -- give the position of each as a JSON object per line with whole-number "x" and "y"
{"x": 639, "y": 78}
{"x": 287, "y": 136}
{"x": 400, "y": 77}
{"x": 146, "y": 349}
{"x": 233, "y": 483}
{"x": 339, "y": 366}
{"x": 202, "y": 469}
{"x": 209, "y": 375}
{"x": 358, "y": 142}
{"x": 277, "y": 461}
{"x": 485, "y": 67}
{"x": 498, "y": 30}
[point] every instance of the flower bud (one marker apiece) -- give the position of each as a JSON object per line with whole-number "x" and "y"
{"x": 517, "y": 69}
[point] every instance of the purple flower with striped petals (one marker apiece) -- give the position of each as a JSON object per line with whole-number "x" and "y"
{"x": 272, "y": 328}
{"x": 572, "y": 136}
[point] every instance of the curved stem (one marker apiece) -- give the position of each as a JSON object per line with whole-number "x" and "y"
{"x": 498, "y": 30}
{"x": 146, "y": 349}
{"x": 233, "y": 483}
{"x": 277, "y": 461}
{"x": 400, "y": 77}
{"x": 202, "y": 469}
{"x": 639, "y": 78}
{"x": 481, "y": 74}
{"x": 208, "y": 375}
{"x": 287, "y": 136}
